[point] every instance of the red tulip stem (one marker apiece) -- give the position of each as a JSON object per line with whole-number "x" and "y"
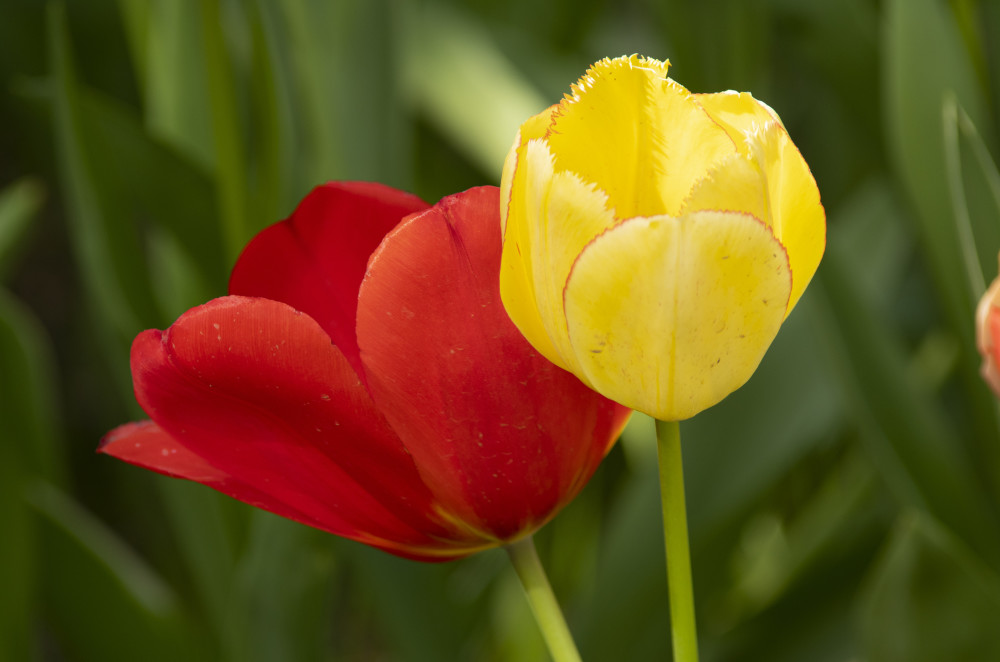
{"x": 543, "y": 601}
{"x": 675, "y": 533}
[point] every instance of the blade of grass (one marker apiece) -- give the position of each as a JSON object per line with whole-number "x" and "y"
{"x": 97, "y": 590}
{"x": 285, "y": 578}
{"x": 19, "y": 203}
{"x": 916, "y": 86}
{"x": 230, "y": 155}
{"x": 202, "y": 528}
{"x": 909, "y": 433}
{"x": 455, "y": 74}
{"x": 930, "y": 599}
{"x": 87, "y": 222}
{"x": 176, "y": 81}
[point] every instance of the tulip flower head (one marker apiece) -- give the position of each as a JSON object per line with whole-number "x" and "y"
{"x": 988, "y": 335}
{"x": 654, "y": 240}
{"x": 364, "y": 379}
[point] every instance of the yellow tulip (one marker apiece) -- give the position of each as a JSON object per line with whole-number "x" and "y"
{"x": 654, "y": 240}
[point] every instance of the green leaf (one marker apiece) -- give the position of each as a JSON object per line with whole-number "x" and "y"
{"x": 135, "y": 19}
{"x": 720, "y": 45}
{"x": 929, "y": 599}
{"x": 455, "y": 74}
{"x": 114, "y": 218}
{"x": 202, "y": 522}
{"x": 974, "y": 187}
{"x": 925, "y": 63}
{"x": 272, "y": 152}
{"x": 164, "y": 193}
{"x": 97, "y": 590}
{"x": 28, "y": 450}
{"x": 175, "y": 81}
{"x": 230, "y": 153}
{"x": 18, "y": 554}
{"x": 19, "y": 203}
{"x": 29, "y": 400}
{"x": 285, "y": 580}
{"x": 109, "y": 258}
{"x": 631, "y": 571}
{"x": 908, "y": 434}
{"x": 420, "y": 613}
{"x": 737, "y": 450}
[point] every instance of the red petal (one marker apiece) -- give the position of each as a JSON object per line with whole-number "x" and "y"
{"x": 146, "y": 445}
{"x": 503, "y": 437}
{"x": 314, "y": 261}
{"x": 258, "y": 392}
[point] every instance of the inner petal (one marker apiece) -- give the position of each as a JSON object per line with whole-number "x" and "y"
{"x": 639, "y": 136}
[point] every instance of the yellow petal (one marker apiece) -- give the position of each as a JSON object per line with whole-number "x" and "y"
{"x": 670, "y": 315}
{"x": 735, "y": 184}
{"x": 738, "y": 113}
{"x": 797, "y": 216}
{"x": 552, "y": 217}
{"x": 639, "y": 136}
{"x": 534, "y": 127}
{"x": 771, "y": 182}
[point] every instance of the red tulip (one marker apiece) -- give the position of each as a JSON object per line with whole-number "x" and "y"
{"x": 363, "y": 378}
{"x": 988, "y": 335}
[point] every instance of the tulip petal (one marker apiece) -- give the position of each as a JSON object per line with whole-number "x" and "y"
{"x": 735, "y": 184}
{"x": 314, "y": 261}
{"x": 535, "y": 127}
{"x": 791, "y": 204}
{"x": 257, "y": 391}
{"x": 147, "y": 445}
{"x": 798, "y": 218}
{"x": 502, "y": 436}
{"x": 670, "y": 315}
{"x": 640, "y": 136}
{"x": 555, "y": 217}
{"x": 738, "y": 113}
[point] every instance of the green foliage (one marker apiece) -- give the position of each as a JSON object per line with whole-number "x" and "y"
{"x": 845, "y": 504}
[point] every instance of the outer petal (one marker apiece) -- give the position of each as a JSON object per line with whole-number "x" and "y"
{"x": 503, "y": 437}
{"x": 258, "y": 392}
{"x": 638, "y": 135}
{"x": 555, "y": 217}
{"x": 535, "y": 127}
{"x": 145, "y": 444}
{"x": 798, "y": 218}
{"x": 791, "y": 203}
{"x": 314, "y": 261}
{"x": 689, "y": 326}
{"x": 987, "y": 335}
{"x": 517, "y": 272}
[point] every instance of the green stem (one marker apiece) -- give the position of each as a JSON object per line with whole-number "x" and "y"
{"x": 543, "y": 602}
{"x": 675, "y": 534}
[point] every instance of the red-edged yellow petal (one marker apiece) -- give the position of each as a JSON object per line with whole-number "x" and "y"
{"x": 738, "y": 113}
{"x": 670, "y": 315}
{"x": 797, "y": 216}
{"x": 734, "y": 184}
{"x": 639, "y": 136}
{"x": 791, "y": 203}
{"x": 555, "y": 216}
{"x": 534, "y": 127}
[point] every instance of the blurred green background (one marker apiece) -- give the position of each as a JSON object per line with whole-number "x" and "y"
{"x": 844, "y": 505}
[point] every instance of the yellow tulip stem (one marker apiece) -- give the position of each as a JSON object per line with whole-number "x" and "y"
{"x": 543, "y": 601}
{"x": 675, "y": 533}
